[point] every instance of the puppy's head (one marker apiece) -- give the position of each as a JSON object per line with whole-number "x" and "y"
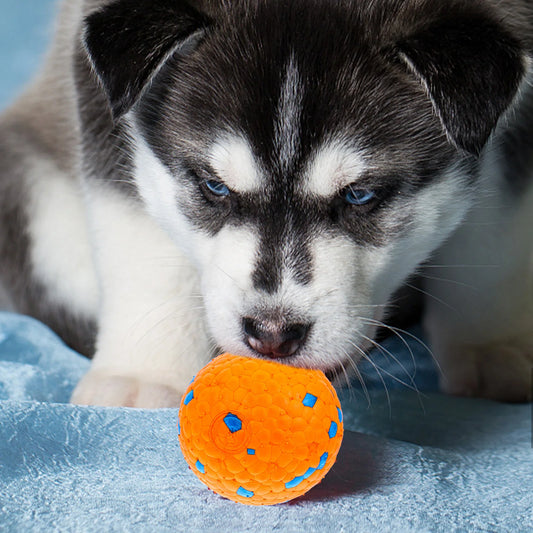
{"x": 307, "y": 155}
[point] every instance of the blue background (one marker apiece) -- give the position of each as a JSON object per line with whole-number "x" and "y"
{"x": 26, "y": 27}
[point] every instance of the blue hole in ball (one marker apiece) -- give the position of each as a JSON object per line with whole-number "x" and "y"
{"x": 233, "y": 422}
{"x": 188, "y": 399}
{"x": 244, "y": 493}
{"x": 309, "y": 400}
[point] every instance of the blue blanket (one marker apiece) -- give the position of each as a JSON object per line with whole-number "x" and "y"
{"x": 409, "y": 461}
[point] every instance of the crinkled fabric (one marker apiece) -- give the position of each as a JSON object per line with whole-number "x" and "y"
{"x": 410, "y": 461}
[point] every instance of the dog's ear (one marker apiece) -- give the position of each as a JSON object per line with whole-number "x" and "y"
{"x": 129, "y": 41}
{"x": 471, "y": 68}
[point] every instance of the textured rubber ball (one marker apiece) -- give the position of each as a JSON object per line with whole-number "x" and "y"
{"x": 259, "y": 432}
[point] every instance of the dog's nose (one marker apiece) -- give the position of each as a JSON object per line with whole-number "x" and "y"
{"x": 274, "y": 339}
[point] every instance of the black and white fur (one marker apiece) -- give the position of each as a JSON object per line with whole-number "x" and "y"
{"x": 110, "y": 233}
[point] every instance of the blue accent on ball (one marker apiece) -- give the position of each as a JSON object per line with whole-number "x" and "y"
{"x": 310, "y": 471}
{"x": 323, "y": 461}
{"x": 179, "y": 428}
{"x": 251, "y": 451}
{"x": 189, "y": 398}
{"x": 244, "y": 493}
{"x": 332, "y": 429}
{"x": 294, "y": 483}
{"x": 200, "y": 467}
{"x": 340, "y": 414}
{"x": 233, "y": 422}
{"x": 309, "y": 400}
{"x": 192, "y": 380}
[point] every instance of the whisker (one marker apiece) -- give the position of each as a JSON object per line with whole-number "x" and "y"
{"x": 387, "y": 373}
{"x": 172, "y": 314}
{"x": 379, "y": 323}
{"x": 385, "y": 351}
{"x": 144, "y": 318}
{"x": 345, "y": 373}
{"x": 453, "y": 281}
{"x": 347, "y": 378}
{"x": 376, "y": 367}
{"x": 364, "y": 306}
{"x": 410, "y": 335}
{"x": 460, "y": 266}
{"x": 156, "y": 342}
{"x": 230, "y": 277}
{"x": 360, "y": 378}
{"x": 433, "y": 297}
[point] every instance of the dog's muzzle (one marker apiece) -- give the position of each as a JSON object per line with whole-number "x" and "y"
{"x": 274, "y": 339}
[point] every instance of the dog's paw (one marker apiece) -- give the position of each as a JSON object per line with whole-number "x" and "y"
{"x": 99, "y": 388}
{"x": 501, "y": 372}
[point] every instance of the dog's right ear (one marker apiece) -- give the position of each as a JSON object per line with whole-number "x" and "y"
{"x": 129, "y": 41}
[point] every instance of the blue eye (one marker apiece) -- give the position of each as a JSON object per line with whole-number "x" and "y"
{"x": 217, "y": 188}
{"x": 359, "y": 196}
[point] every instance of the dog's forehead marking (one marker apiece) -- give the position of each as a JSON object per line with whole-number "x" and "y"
{"x": 232, "y": 158}
{"x": 333, "y": 167}
{"x": 289, "y": 112}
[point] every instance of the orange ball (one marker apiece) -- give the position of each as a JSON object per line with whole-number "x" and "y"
{"x": 259, "y": 432}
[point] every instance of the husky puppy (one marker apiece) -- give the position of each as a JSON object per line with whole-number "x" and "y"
{"x": 263, "y": 176}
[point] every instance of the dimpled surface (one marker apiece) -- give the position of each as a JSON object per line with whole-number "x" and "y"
{"x": 259, "y": 432}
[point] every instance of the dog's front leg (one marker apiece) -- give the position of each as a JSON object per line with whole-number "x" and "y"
{"x": 479, "y": 309}
{"x": 151, "y": 336}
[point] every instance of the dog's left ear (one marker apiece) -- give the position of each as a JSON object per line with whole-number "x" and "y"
{"x": 129, "y": 41}
{"x": 471, "y": 68}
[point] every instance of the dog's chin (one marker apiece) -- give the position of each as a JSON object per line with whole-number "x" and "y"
{"x": 300, "y": 359}
{"x": 339, "y": 371}
{"x": 338, "y": 360}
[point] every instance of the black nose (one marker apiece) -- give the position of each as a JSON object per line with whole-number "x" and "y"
{"x": 274, "y": 339}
